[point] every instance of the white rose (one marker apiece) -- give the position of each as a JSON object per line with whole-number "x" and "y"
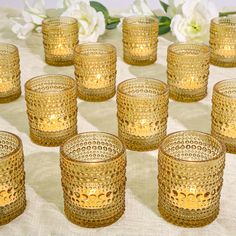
{"x": 91, "y": 23}
{"x": 22, "y": 30}
{"x": 67, "y": 3}
{"x": 174, "y": 7}
{"x": 194, "y": 22}
{"x": 139, "y": 7}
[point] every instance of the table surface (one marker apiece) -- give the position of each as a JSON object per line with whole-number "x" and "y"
{"x": 44, "y": 212}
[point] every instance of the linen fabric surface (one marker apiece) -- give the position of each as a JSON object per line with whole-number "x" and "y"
{"x": 44, "y": 212}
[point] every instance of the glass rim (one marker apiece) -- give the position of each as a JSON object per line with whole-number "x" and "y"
{"x": 120, "y": 153}
{"x": 48, "y": 21}
{"x": 216, "y": 87}
{"x": 111, "y": 49}
{"x": 14, "y": 49}
{"x": 165, "y": 90}
{"x": 215, "y": 21}
{"x": 202, "y": 46}
{"x": 217, "y": 156}
{"x": 45, "y": 77}
{"x": 128, "y": 20}
{"x": 18, "y": 146}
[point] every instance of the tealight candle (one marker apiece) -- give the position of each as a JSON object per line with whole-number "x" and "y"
{"x": 95, "y": 71}
{"x": 12, "y": 177}
{"x": 10, "y": 88}
{"x": 140, "y": 37}
{"x": 60, "y": 35}
{"x": 188, "y": 70}
{"x": 223, "y": 41}
{"x": 52, "y": 108}
{"x": 190, "y": 178}
{"x": 93, "y": 168}
{"x": 142, "y": 110}
{"x": 223, "y": 114}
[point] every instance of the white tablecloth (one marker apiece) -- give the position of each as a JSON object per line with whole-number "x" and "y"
{"x": 44, "y": 211}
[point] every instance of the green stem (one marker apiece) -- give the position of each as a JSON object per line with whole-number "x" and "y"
{"x": 112, "y": 20}
{"x": 227, "y": 13}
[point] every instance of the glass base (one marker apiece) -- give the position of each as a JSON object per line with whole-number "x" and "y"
{"x": 221, "y": 62}
{"x": 136, "y": 62}
{"x": 96, "y": 97}
{"x": 56, "y": 62}
{"x": 10, "y": 98}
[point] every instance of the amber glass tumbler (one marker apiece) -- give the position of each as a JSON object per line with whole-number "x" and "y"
{"x": 223, "y": 41}
{"x": 52, "y": 108}
{"x": 142, "y": 110}
{"x": 10, "y": 88}
{"x": 140, "y": 38}
{"x": 12, "y": 177}
{"x": 93, "y": 179}
{"x": 224, "y": 113}
{"x": 60, "y": 35}
{"x": 188, "y": 70}
{"x": 95, "y": 71}
{"x": 190, "y": 177}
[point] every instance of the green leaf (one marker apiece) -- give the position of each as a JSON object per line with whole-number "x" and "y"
{"x": 227, "y": 13}
{"x": 99, "y": 7}
{"x": 112, "y": 22}
{"x": 164, "y": 29}
{"x": 164, "y": 5}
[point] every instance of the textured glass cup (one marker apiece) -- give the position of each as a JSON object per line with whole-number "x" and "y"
{"x": 95, "y": 71}
{"x": 93, "y": 168}
{"x": 12, "y": 177}
{"x": 10, "y": 88}
{"x": 190, "y": 178}
{"x": 188, "y": 70}
{"x": 52, "y": 108}
{"x": 142, "y": 111}
{"x": 223, "y": 41}
{"x": 223, "y": 114}
{"x": 60, "y": 35}
{"x": 140, "y": 38}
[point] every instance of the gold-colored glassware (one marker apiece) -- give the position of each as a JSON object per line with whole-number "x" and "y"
{"x": 140, "y": 38}
{"x": 10, "y": 88}
{"x": 223, "y": 41}
{"x": 95, "y": 71}
{"x": 93, "y": 168}
{"x": 190, "y": 178}
{"x": 52, "y": 108}
{"x": 188, "y": 70}
{"x": 223, "y": 114}
{"x": 60, "y": 35}
{"x": 12, "y": 177}
{"x": 142, "y": 111}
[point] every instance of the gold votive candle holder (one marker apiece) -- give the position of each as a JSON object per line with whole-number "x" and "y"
{"x": 187, "y": 71}
{"x": 12, "y": 177}
{"x": 223, "y": 41}
{"x": 93, "y": 169}
{"x": 95, "y": 71}
{"x": 142, "y": 111}
{"x": 51, "y": 108}
{"x": 140, "y": 38}
{"x": 190, "y": 178}
{"x": 223, "y": 114}
{"x": 10, "y": 87}
{"x": 60, "y": 35}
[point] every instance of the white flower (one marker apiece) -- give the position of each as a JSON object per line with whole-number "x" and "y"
{"x": 32, "y": 17}
{"x": 91, "y": 23}
{"x": 174, "y": 7}
{"x": 67, "y": 3}
{"x": 194, "y": 22}
{"x": 139, "y": 7}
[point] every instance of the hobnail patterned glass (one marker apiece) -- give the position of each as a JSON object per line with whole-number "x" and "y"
{"x": 188, "y": 70}
{"x": 142, "y": 111}
{"x": 223, "y": 41}
{"x": 60, "y": 35}
{"x": 93, "y": 168}
{"x": 190, "y": 178}
{"x": 12, "y": 177}
{"x": 52, "y": 108}
{"x": 140, "y": 38}
{"x": 95, "y": 71}
{"x": 223, "y": 124}
{"x": 10, "y": 88}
